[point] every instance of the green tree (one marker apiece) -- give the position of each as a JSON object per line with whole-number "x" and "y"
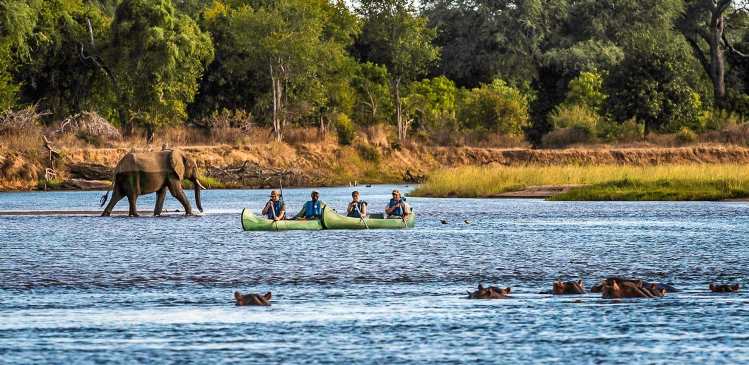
{"x": 495, "y": 107}
{"x": 395, "y": 37}
{"x": 705, "y": 26}
{"x": 653, "y": 85}
{"x": 371, "y": 84}
{"x": 432, "y": 104}
{"x": 18, "y": 19}
{"x": 157, "y": 56}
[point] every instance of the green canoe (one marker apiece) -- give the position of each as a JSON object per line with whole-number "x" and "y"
{"x": 251, "y": 222}
{"x": 333, "y": 220}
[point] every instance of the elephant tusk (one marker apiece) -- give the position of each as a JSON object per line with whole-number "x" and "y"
{"x": 200, "y": 185}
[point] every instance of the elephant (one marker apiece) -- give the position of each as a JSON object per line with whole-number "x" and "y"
{"x": 252, "y": 299}
{"x": 491, "y": 292}
{"x": 149, "y": 172}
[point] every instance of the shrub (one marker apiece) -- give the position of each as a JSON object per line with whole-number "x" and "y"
{"x": 629, "y": 131}
{"x": 344, "y": 129}
{"x": 16, "y": 122}
{"x": 686, "y": 136}
{"x": 497, "y": 107}
{"x": 564, "y": 137}
{"x": 574, "y": 116}
{"x": 587, "y": 89}
{"x": 719, "y": 119}
{"x": 89, "y": 127}
{"x": 369, "y": 153}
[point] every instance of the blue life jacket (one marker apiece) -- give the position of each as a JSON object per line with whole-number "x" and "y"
{"x": 398, "y": 211}
{"x": 312, "y": 209}
{"x": 356, "y": 213}
{"x": 276, "y": 209}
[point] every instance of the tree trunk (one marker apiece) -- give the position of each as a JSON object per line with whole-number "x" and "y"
{"x": 717, "y": 59}
{"x": 276, "y": 107}
{"x": 395, "y": 84}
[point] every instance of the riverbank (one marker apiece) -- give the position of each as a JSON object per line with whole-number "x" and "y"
{"x": 668, "y": 182}
{"x": 330, "y": 164}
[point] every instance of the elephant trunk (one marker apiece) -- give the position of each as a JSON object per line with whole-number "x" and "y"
{"x": 198, "y": 188}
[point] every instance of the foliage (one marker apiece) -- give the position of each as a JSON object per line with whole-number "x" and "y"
{"x": 344, "y": 129}
{"x": 587, "y": 90}
{"x": 496, "y": 107}
{"x": 651, "y": 84}
{"x": 432, "y": 104}
{"x": 686, "y": 136}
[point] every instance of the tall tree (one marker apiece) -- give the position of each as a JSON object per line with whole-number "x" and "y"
{"x": 394, "y": 36}
{"x": 705, "y": 24}
{"x": 157, "y": 56}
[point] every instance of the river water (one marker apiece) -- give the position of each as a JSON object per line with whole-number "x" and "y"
{"x": 159, "y": 290}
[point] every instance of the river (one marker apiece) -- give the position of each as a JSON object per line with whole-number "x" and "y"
{"x": 159, "y": 290}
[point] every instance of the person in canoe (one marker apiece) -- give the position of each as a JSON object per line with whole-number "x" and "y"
{"x": 311, "y": 209}
{"x": 397, "y": 207}
{"x": 275, "y": 209}
{"x": 357, "y": 208}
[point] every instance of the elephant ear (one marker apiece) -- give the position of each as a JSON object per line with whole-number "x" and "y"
{"x": 177, "y": 162}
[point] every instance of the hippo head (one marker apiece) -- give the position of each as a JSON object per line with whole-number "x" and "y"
{"x": 491, "y": 292}
{"x": 568, "y": 287}
{"x": 724, "y": 288}
{"x": 252, "y": 299}
{"x": 612, "y": 291}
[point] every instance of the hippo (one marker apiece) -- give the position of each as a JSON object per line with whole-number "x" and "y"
{"x": 641, "y": 283}
{"x": 614, "y": 288}
{"x": 724, "y": 288}
{"x": 491, "y": 292}
{"x": 252, "y": 299}
{"x": 568, "y": 287}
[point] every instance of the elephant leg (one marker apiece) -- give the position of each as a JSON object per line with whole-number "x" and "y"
{"x": 132, "y": 198}
{"x": 160, "y": 196}
{"x": 175, "y": 188}
{"x": 116, "y": 197}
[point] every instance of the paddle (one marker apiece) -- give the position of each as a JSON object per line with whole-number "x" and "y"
{"x": 361, "y": 217}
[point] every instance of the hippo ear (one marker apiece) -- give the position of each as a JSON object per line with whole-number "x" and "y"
{"x": 580, "y": 282}
{"x": 267, "y": 296}
{"x": 481, "y": 287}
{"x": 508, "y": 290}
{"x": 177, "y": 163}
{"x": 735, "y": 287}
{"x": 238, "y": 297}
{"x": 712, "y": 286}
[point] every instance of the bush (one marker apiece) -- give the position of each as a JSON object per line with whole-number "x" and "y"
{"x": 587, "y": 90}
{"x": 575, "y": 116}
{"x": 18, "y": 122}
{"x": 90, "y": 127}
{"x": 344, "y": 129}
{"x": 629, "y": 131}
{"x": 369, "y": 153}
{"x": 565, "y": 137}
{"x": 716, "y": 120}
{"x": 495, "y": 107}
{"x": 686, "y": 136}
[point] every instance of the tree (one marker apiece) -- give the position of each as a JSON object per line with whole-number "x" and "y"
{"x": 157, "y": 57}
{"x": 495, "y": 107}
{"x": 287, "y": 56}
{"x": 704, "y": 24}
{"x": 393, "y": 36}
{"x": 17, "y": 21}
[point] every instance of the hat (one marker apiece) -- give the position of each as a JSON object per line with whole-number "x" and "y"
{"x": 273, "y": 192}
{"x": 315, "y": 192}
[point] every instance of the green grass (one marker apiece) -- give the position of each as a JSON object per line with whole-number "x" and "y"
{"x": 600, "y": 182}
{"x": 209, "y": 182}
{"x": 659, "y": 190}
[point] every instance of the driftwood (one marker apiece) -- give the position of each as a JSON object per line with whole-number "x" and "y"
{"x": 90, "y": 171}
{"x": 250, "y": 174}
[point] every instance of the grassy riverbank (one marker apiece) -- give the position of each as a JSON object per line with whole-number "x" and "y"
{"x": 597, "y": 182}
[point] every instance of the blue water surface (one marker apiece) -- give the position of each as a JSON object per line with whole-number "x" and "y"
{"x": 86, "y": 289}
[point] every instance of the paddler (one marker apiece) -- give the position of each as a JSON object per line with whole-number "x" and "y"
{"x": 357, "y": 208}
{"x": 275, "y": 209}
{"x": 397, "y": 207}
{"x": 311, "y": 209}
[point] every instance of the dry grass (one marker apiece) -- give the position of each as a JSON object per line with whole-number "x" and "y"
{"x": 494, "y": 180}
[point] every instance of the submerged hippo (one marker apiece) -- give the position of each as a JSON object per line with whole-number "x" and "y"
{"x": 615, "y": 288}
{"x": 658, "y": 286}
{"x": 567, "y": 287}
{"x": 252, "y": 299}
{"x": 724, "y": 288}
{"x": 491, "y": 292}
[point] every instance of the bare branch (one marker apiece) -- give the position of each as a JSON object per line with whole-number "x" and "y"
{"x": 730, "y": 47}
{"x": 699, "y": 54}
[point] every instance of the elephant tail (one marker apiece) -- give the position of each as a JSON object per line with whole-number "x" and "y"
{"x": 103, "y": 199}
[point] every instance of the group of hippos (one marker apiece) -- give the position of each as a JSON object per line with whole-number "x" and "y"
{"x": 610, "y": 288}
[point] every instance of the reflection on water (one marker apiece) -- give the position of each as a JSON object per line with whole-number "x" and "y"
{"x": 159, "y": 290}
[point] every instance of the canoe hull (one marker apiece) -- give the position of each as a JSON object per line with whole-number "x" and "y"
{"x": 252, "y": 222}
{"x": 333, "y": 220}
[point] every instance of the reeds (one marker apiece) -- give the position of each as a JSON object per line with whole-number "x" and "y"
{"x": 600, "y": 182}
